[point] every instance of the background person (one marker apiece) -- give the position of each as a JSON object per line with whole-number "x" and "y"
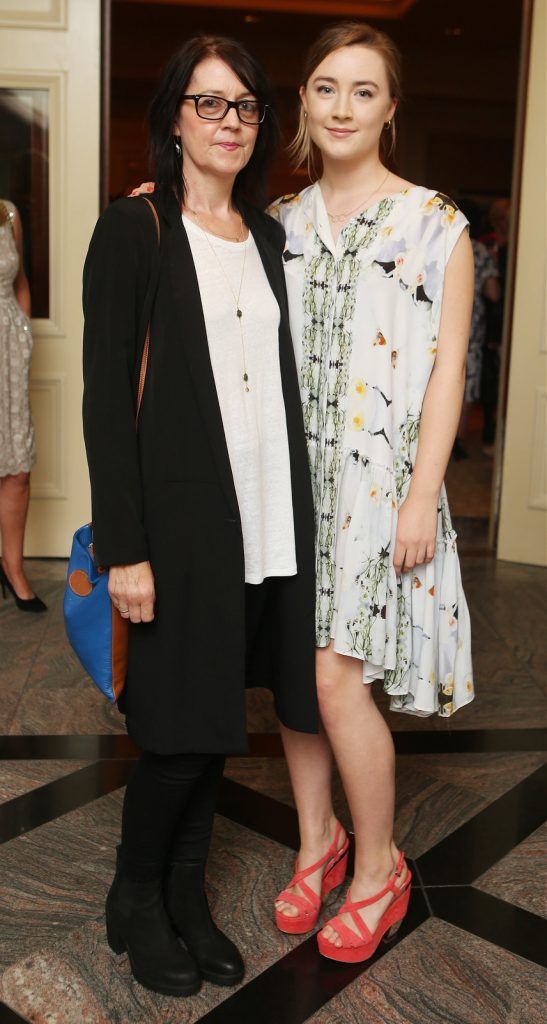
{"x": 496, "y": 242}
{"x": 17, "y": 449}
{"x": 486, "y": 291}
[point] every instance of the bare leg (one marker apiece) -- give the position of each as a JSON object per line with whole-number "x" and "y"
{"x": 310, "y": 765}
{"x": 364, "y": 752}
{"x": 14, "y": 500}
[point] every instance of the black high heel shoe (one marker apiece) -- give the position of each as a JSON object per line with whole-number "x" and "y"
{"x": 25, "y": 604}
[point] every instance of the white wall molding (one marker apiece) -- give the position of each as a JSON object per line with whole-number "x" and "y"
{"x": 48, "y": 403}
{"x": 33, "y": 13}
{"x": 538, "y": 464}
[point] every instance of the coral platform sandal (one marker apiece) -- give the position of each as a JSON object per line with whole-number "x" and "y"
{"x": 309, "y": 905}
{"x": 356, "y": 948}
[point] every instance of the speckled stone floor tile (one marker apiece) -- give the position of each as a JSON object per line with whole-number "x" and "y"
{"x": 521, "y": 877}
{"x": 18, "y": 777}
{"x": 488, "y": 774}
{"x": 58, "y": 697}
{"x": 514, "y": 599}
{"x": 57, "y": 967}
{"x": 435, "y": 794}
{"x": 43, "y": 688}
{"x": 78, "y": 976}
{"x": 46, "y": 569}
{"x": 426, "y": 809}
{"x": 21, "y": 637}
{"x": 441, "y": 975}
{"x": 55, "y": 877}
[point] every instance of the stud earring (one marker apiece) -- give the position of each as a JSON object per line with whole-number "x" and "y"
{"x": 305, "y": 113}
{"x": 178, "y": 147}
{"x": 387, "y": 125}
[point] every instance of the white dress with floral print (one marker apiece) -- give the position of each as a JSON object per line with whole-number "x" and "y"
{"x": 365, "y": 316}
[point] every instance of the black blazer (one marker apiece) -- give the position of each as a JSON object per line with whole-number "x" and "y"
{"x": 166, "y": 493}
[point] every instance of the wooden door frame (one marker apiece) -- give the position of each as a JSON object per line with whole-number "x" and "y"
{"x": 516, "y": 190}
{"x": 106, "y": 73}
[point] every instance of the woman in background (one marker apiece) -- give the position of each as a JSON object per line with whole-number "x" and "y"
{"x": 17, "y": 453}
{"x": 379, "y": 274}
{"x": 487, "y": 290}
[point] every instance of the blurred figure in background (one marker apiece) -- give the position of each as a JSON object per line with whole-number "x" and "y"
{"x": 496, "y": 243}
{"x": 487, "y": 292}
{"x": 17, "y": 454}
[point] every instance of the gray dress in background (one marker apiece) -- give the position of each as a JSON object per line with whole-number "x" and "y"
{"x": 17, "y": 452}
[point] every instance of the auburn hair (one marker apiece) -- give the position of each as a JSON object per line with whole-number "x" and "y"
{"x": 347, "y": 33}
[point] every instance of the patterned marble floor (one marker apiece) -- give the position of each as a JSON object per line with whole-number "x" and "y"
{"x": 469, "y": 814}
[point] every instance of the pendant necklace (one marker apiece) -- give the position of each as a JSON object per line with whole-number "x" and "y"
{"x": 338, "y": 217}
{"x": 239, "y": 311}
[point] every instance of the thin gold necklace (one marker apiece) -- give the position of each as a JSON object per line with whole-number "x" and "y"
{"x": 337, "y": 217}
{"x": 239, "y": 311}
{"x": 227, "y": 238}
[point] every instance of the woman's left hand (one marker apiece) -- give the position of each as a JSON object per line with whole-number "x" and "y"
{"x": 143, "y": 189}
{"x": 416, "y": 533}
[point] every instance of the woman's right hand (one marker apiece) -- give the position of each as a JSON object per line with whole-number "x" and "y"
{"x": 131, "y": 589}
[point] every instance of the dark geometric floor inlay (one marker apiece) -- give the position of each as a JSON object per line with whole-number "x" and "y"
{"x": 478, "y": 844}
{"x": 9, "y": 1016}
{"x": 493, "y": 919}
{"x": 24, "y": 813}
{"x": 120, "y": 747}
{"x": 301, "y": 982}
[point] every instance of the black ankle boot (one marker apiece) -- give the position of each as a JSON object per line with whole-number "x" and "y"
{"x": 216, "y": 955}
{"x": 137, "y": 923}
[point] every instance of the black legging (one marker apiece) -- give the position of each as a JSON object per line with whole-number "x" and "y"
{"x": 170, "y": 800}
{"x": 168, "y": 811}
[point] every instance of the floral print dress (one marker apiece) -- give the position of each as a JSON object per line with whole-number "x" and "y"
{"x": 17, "y": 449}
{"x": 365, "y": 314}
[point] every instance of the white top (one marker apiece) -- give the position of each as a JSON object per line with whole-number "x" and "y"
{"x": 365, "y": 314}
{"x": 254, "y": 421}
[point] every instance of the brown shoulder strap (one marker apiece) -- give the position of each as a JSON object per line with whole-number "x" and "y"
{"x": 144, "y": 357}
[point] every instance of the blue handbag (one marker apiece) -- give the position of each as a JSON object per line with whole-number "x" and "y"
{"x": 95, "y": 629}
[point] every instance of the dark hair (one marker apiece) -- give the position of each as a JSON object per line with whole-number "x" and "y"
{"x": 165, "y": 164}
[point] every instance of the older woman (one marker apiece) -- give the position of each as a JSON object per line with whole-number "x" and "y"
{"x": 204, "y": 515}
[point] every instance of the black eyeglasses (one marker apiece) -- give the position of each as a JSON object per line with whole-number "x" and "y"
{"x": 215, "y": 108}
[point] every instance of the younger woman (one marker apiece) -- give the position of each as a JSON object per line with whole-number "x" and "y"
{"x": 379, "y": 274}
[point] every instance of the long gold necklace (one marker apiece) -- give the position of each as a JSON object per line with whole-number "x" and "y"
{"x": 239, "y": 311}
{"x": 338, "y": 217}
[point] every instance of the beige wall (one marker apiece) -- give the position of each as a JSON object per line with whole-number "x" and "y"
{"x": 55, "y": 45}
{"x": 523, "y": 510}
